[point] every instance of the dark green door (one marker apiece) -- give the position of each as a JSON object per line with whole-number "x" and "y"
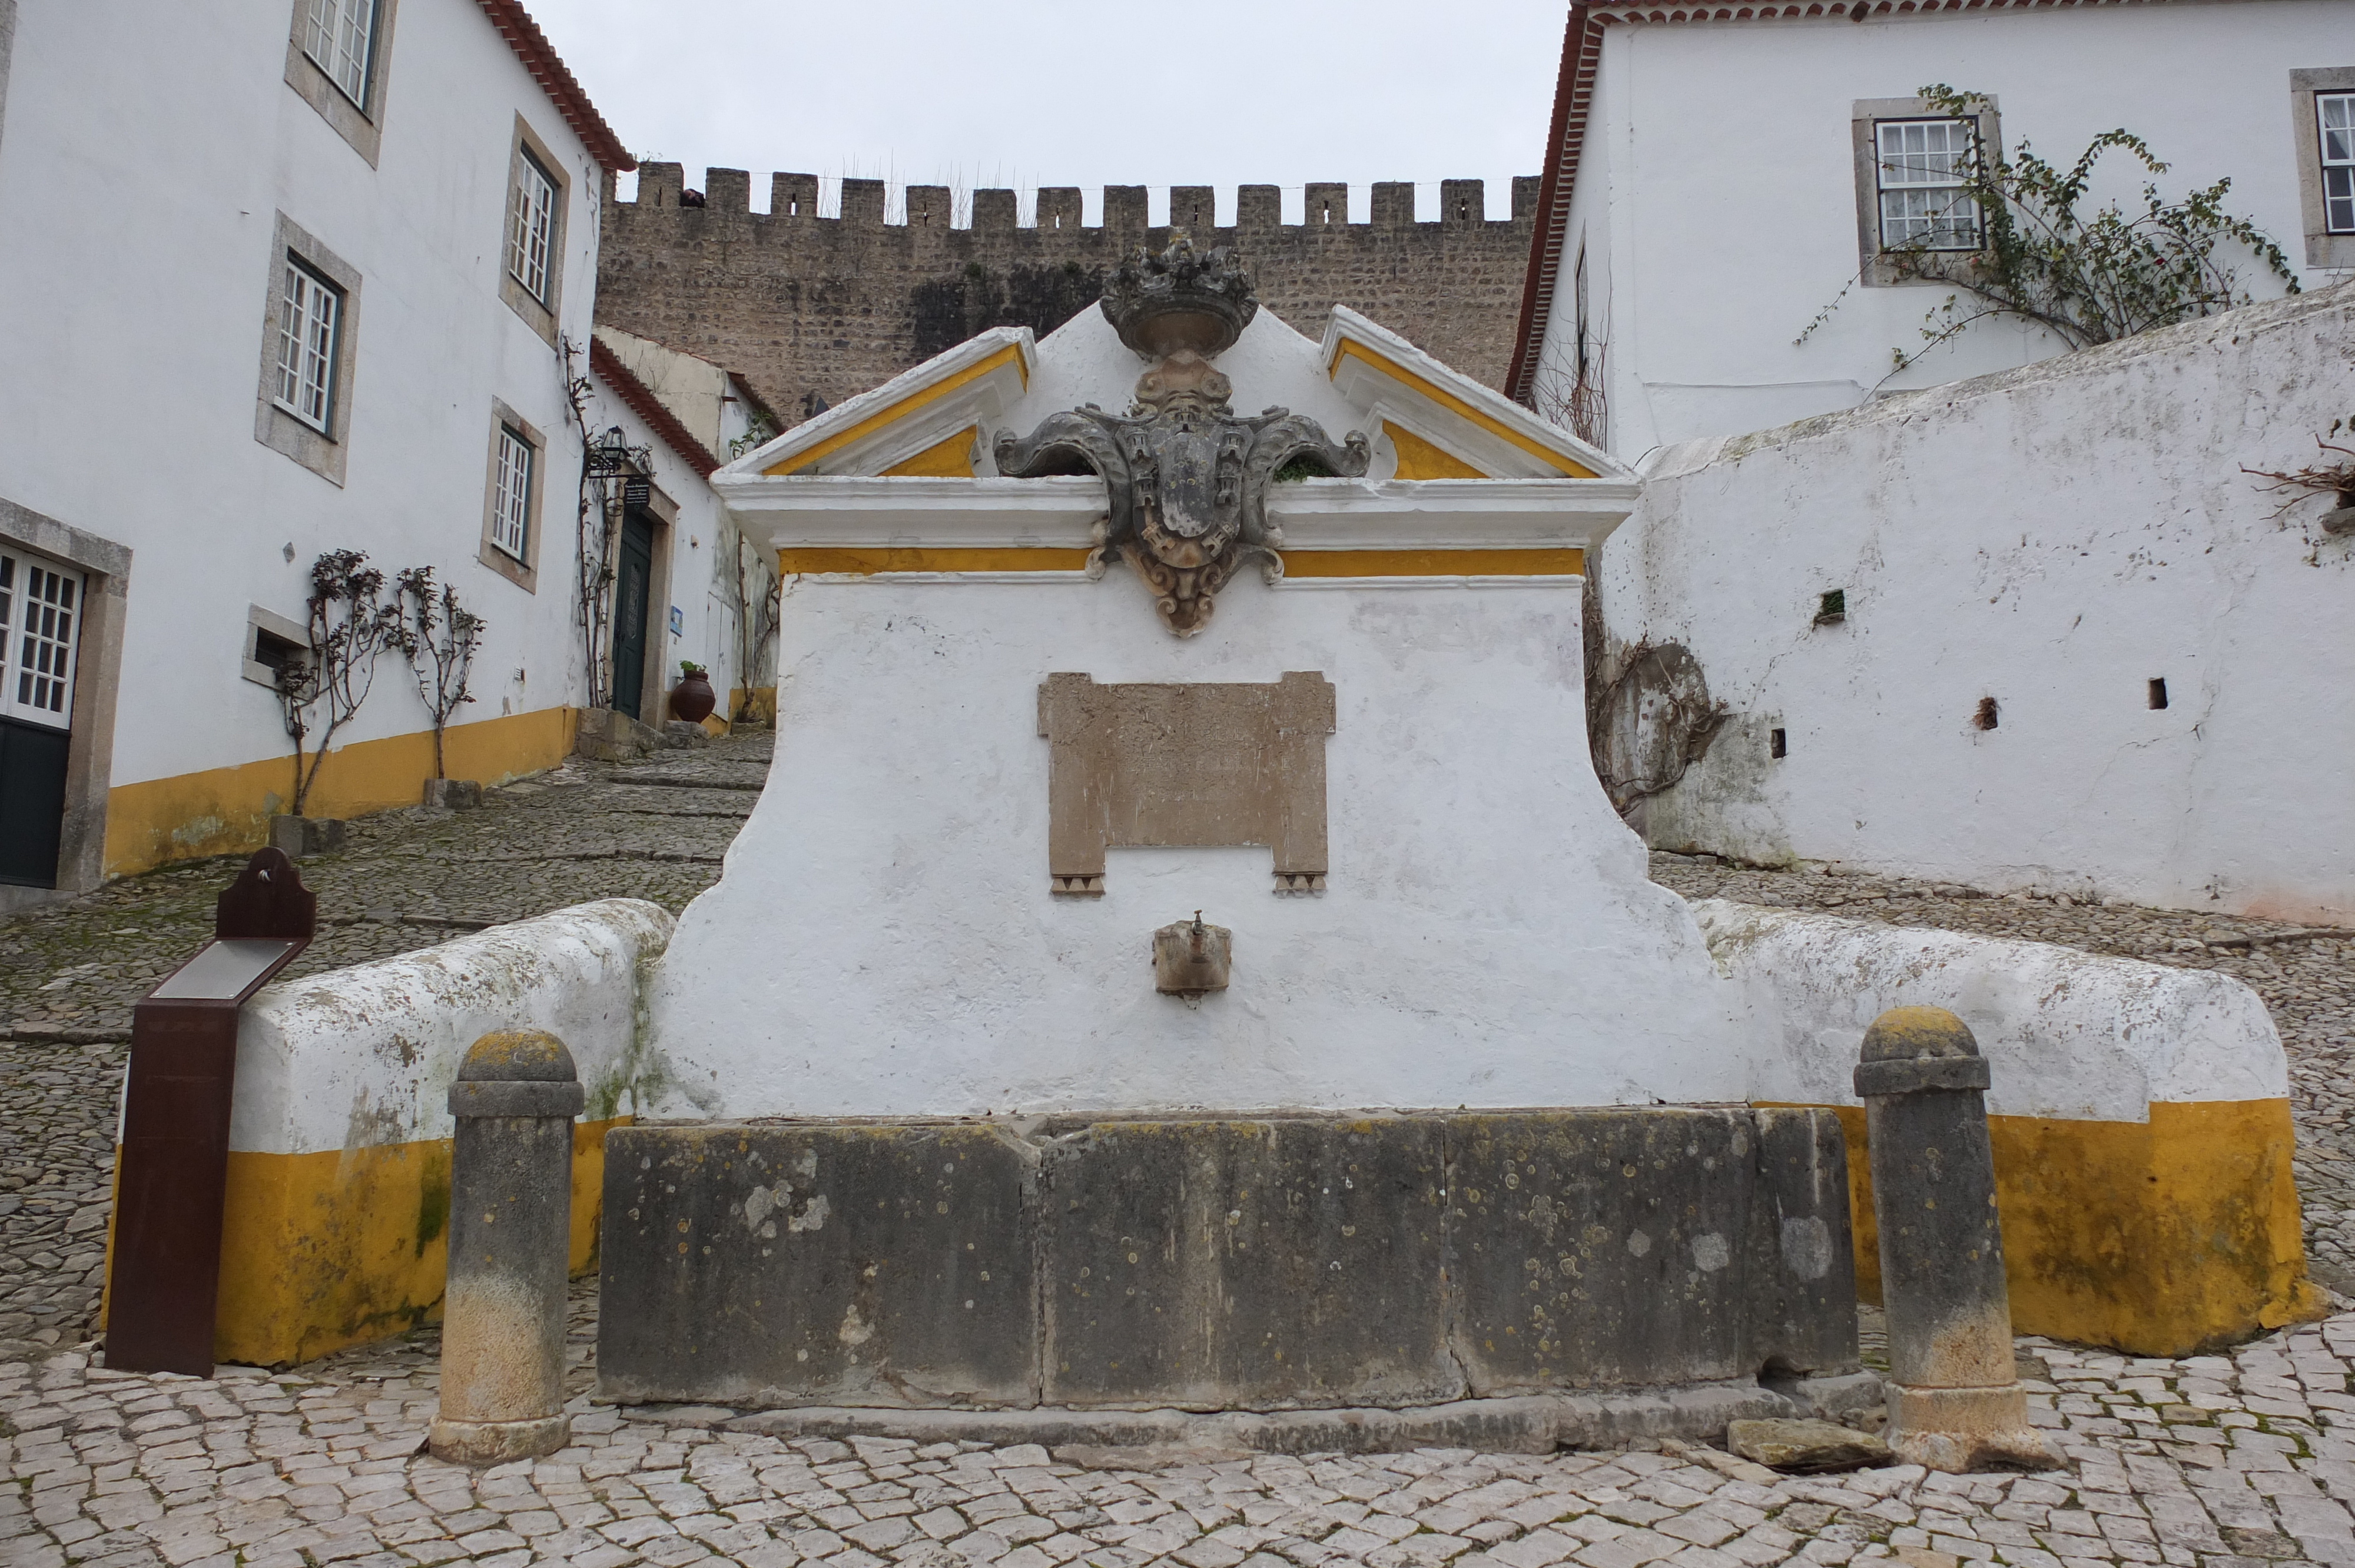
{"x": 32, "y": 803}
{"x": 631, "y": 591}
{"x": 39, "y": 608}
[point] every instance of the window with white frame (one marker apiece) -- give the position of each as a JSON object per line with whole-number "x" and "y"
{"x": 2334, "y": 115}
{"x": 511, "y": 495}
{"x": 531, "y": 224}
{"x": 38, "y": 604}
{"x": 340, "y": 35}
{"x": 1920, "y": 169}
{"x": 309, "y": 309}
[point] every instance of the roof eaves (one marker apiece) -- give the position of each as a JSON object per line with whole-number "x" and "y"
{"x": 1581, "y": 44}
{"x": 539, "y": 57}
{"x": 649, "y": 408}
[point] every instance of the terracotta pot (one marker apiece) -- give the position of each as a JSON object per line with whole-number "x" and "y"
{"x": 693, "y": 699}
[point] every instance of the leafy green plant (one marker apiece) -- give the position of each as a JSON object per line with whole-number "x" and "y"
{"x": 2085, "y": 277}
{"x": 690, "y": 667}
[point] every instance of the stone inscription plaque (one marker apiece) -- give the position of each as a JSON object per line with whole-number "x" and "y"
{"x": 1193, "y": 763}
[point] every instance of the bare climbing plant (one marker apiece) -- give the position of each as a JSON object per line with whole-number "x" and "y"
{"x": 605, "y": 466}
{"x": 439, "y": 636}
{"x": 2333, "y": 476}
{"x": 2086, "y": 278}
{"x": 758, "y": 607}
{"x": 1649, "y": 719}
{"x": 349, "y": 624}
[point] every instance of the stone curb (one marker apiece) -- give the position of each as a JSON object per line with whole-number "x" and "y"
{"x": 1526, "y": 1424}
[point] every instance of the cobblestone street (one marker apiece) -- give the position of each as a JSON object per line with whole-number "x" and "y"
{"x": 2221, "y": 1461}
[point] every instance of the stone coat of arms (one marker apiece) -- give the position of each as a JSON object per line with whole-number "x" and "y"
{"x": 1187, "y": 479}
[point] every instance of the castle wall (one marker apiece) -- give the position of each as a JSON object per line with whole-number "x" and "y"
{"x": 803, "y": 305}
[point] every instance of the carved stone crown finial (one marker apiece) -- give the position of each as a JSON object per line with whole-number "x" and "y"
{"x": 1180, "y": 298}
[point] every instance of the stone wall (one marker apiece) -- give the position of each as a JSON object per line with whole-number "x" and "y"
{"x": 804, "y": 306}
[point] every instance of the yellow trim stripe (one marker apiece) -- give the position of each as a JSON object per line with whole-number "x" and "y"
{"x": 2157, "y": 1238}
{"x": 1011, "y": 353}
{"x": 950, "y": 457}
{"x": 923, "y": 559}
{"x": 1433, "y": 562}
{"x": 1350, "y": 349}
{"x": 1418, "y": 459}
{"x": 344, "y": 1247}
{"x": 1524, "y": 563}
{"x": 227, "y": 810}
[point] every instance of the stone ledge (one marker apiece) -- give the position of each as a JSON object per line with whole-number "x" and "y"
{"x": 1526, "y": 1424}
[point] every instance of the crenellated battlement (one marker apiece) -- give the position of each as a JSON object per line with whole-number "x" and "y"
{"x": 794, "y": 200}
{"x": 809, "y": 308}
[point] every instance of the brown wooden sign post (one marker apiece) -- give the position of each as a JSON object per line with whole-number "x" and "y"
{"x": 165, "y": 1276}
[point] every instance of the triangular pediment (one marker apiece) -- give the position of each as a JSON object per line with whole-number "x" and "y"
{"x": 1438, "y": 423}
{"x": 928, "y": 422}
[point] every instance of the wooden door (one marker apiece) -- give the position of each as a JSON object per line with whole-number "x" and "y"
{"x": 632, "y": 592}
{"x": 40, "y": 612}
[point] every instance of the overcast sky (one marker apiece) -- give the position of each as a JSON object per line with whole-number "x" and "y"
{"x": 1077, "y": 93}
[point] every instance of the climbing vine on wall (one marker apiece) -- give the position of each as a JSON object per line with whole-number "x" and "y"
{"x": 2086, "y": 277}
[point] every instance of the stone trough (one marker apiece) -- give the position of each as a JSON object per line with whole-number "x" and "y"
{"x": 1090, "y": 1279}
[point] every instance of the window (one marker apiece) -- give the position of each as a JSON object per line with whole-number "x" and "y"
{"x": 340, "y": 37}
{"x": 531, "y": 221}
{"x": 2322, "y": 112}
{"x": 2334, "y": 114}
{"x": 511, "y": 495}
{"x": 274, "y": 645}
{"x": 531, "y": 249}
{"x": 38, "y": 603}
{"x": 337, "y": 52}
{"x": 1920, "y": 165}
{"x": 306, "y": 347}
{"x": 1912, "y": 205}
{"x": 511, "y": 498}
{"x": 309, "y": 327}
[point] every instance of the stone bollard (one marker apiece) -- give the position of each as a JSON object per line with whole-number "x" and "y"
{"x": 510, "y": 1234}
{"x": 1955, "y": 1399}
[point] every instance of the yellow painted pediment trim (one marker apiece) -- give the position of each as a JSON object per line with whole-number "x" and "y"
{"x": 1351, "y": 349}
{"x": 1011, "y": 355}
{"x": 859, "y": 562}
{"x": 1418, "y": 459}
{"x": 1540, "y": 562}
{"x": 950, "y": 459}
{"x": 1529, "y": 563}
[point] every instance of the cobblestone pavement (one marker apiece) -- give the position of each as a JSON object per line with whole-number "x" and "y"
{"x": 70, "y": 974}
{"x": 2225, "y": 1461}
{"x": 2240, "y": 1461}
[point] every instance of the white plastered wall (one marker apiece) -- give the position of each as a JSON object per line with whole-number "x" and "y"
{"x": 365, "y": 1056}
{"x": 157, "y": 158}
{"x": 890, "y": 946}
{"x": 2054, "y": 537}
{"x": 1717, "y": 182}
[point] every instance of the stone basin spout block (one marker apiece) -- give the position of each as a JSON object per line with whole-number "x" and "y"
{"x": 510, "y": 1224}
{"x": 1956, "y": 1403}
{"x": 1190, "y": 959}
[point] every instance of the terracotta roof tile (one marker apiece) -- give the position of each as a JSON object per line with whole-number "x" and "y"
{"x": 539, "y": 57}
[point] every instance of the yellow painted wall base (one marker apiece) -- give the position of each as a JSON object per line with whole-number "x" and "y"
{"x": 2159, "y": 1238}
{"x": 323, "y": 1251}
{"x": 227, "y": 810}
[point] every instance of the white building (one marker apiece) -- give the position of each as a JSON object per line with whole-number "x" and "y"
{"x": 284, "y": 277}
{"x": 683, "y": 417}
{"x": 1711, "y": 184}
